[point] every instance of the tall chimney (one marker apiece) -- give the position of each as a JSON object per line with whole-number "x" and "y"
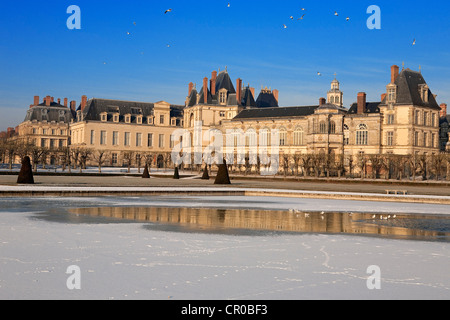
{"x": 73, "y": 105}
{"x": 443, "y": 112}
{"x": 59, "y": 101}
{"x": 191, "y": 86}
{"x": 213, "y": 82}
{"x": 238, "y": 90}
{"x": 361, "y": 103}
{"x": 52, "y": 99}
{"x": 83, "y": 102}
{"x": 275, "y": 94}
{"x": 205, "y": 90}
{"x": 47, "y": 101}
{"x": 65, "y": 102}
{"x": 36, "y": 100}
{"x": 322, "y": 101}
{"x": 394, "y": 73}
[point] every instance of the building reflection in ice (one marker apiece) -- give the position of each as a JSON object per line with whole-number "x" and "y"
{"x": 428, "y": 227}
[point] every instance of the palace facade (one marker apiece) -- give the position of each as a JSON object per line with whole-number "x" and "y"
{"x": 406, "y": 121}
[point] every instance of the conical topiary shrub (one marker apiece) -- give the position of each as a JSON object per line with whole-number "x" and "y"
{"x": 26, "y": 172}
{"x": 176, "y": 175}
{"x": 146, "y": 174}
{"x": 205, "y": 173}
{"x": 222, "y": 176}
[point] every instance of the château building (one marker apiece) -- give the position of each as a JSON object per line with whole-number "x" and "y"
{"x": 406, "y": 120}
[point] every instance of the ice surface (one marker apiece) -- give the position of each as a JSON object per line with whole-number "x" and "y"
{"x": 130, "y": 261}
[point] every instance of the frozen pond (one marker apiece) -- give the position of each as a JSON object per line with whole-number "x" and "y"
{"x": 253, "y": 248}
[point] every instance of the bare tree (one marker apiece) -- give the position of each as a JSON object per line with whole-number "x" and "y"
{"x": 437, "y": 162}
{"x": 128, "y": 157}
{"x": 101, "y": 157}
{"x": 84, "y": 156}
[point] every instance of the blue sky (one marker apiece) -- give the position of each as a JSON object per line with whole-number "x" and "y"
{"x": 39, "y": 55}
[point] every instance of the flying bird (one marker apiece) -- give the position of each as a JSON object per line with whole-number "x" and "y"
{"x": 319, "y": 74}
{"x": 284, "y": 26}
{"x": 348, "y": 18}
{"x": 336, "y": 14}
{"x": 128, "y": 33}
{"x": 301, "y": 18}
{"x": 229, "y": 5}
{"x": 167, "y": 11}
{"x": 414, "y": 42}
{"x": 291, "y": 17}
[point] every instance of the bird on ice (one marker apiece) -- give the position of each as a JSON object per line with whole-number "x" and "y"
{"x": 167, "y": 11}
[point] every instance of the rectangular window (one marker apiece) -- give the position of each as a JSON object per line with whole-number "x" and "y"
{"x": 43, "y": 143}
{"x": 283, "y": 138}
{"x": 416, "y": 117}
{"x": 92, "y": 137}
{"x": 161, "y": 141}
{"x": 361, "y": 138}
{"x": 126, "y": 140}
{"x": 416, "y": 139}
{"x": 425, "y": 139}
{"x": 114, "y": 159}
{"x": 138, "y": 139}
{"x": 433, "y": 140}
{"x": 115, "y": 138}
{"x": 390, "y": 119}
{"x": 390, "y": 138}
{"x": 52, "y": 143}
{"x": 161, "y": 119}
{"x": 425, "y": 118}
{"x": 150, "y": 140}
{"x": 61, "y": 143}
{"x": 102, "y": 137}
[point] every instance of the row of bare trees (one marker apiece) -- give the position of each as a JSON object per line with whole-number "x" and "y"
{"x": 73, "y": 158}
{"x": 373, "y": 166}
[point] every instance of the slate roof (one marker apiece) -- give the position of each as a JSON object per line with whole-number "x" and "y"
{"x": 223, "y": 81}
{"x": 277, "y": 112}
{"x": 408, "y": 83}
{"x": 371, "y": 107}
{"x": 55, "y": 112}
{"x": 96, "y": 106}
{"x": 266, "y": 99}
{"x": 247, "y": 98}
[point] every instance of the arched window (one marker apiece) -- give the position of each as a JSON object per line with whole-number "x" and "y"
{"x": 250, "y": 138}
{"x": 298, "y": 136}
{"x": 332, "y": 99}
{"x": 362, "y": 135}
{"x": 332, "y": 127}
{"x": 191, "y": 121}
{"x": 265, "y": 138}
{"x": 283, "y": 136}
{"x": 322, "y": 127}
{"x": 337, "y": 100}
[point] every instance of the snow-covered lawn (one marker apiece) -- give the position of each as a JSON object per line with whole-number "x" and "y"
{"x": 135, "y": 261}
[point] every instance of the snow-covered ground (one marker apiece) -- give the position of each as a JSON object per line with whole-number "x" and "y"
{"x": 135, "y": 261}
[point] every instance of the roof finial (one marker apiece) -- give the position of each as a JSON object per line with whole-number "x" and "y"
{"x": 226, "y": 68}
{"x": 420, "y": 68}
{"x": 403, "y": 65}
{"x": 335, "y": 74}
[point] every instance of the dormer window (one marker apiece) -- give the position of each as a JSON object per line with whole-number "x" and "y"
{"x": 116, "y": 118}
{"x": 104, "y": 117}
{"x": 424, "y": 92}
{"x": 391, "y": 94}
{"x": 222, "y": 96}
{"x": 149, "y": 120}
{"x": 139, "y": 119}
{"x": 127, "y": 118}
